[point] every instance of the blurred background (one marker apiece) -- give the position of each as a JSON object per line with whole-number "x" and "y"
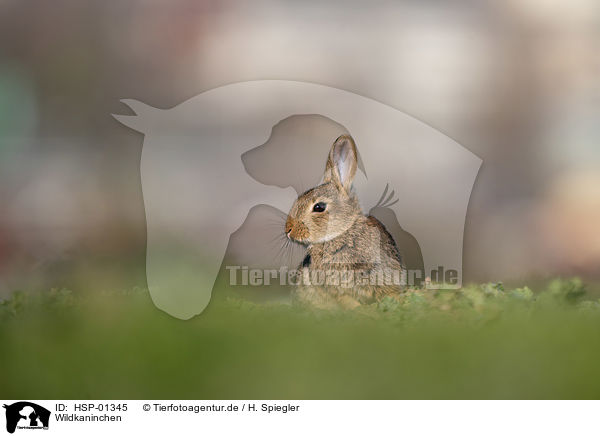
{"x": 515, "y": 82}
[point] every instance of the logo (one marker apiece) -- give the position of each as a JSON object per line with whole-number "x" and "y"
{"x": 26, "y": 415}
{"x": 209, "y": 162}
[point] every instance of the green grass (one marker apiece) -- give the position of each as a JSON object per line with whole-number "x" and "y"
{"x": 481, "y": 342}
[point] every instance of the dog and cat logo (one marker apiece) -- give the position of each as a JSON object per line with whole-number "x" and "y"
{"x": 209, "y": 161}
{"x": 26, "y": 415}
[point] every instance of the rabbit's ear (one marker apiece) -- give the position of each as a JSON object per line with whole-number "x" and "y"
{"x": 341, "y": 164}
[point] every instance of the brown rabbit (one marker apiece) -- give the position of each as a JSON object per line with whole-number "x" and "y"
{"x": 351, "y": 258}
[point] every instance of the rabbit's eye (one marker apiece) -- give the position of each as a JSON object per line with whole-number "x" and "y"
{"x": 319, "y": 207}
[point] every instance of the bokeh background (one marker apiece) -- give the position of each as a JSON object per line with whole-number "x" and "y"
{"x": 516, "y": 82}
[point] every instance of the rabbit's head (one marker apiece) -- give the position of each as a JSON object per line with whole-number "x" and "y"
{"x": 327, "y": 211}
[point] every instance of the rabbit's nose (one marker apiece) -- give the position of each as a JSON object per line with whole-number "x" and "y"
{"x": 288, "y": 227}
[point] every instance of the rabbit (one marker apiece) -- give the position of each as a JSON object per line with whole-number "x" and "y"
{"x": 351, "y": 259}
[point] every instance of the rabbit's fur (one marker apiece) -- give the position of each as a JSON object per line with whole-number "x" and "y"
{"x": 341, "y": 241}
